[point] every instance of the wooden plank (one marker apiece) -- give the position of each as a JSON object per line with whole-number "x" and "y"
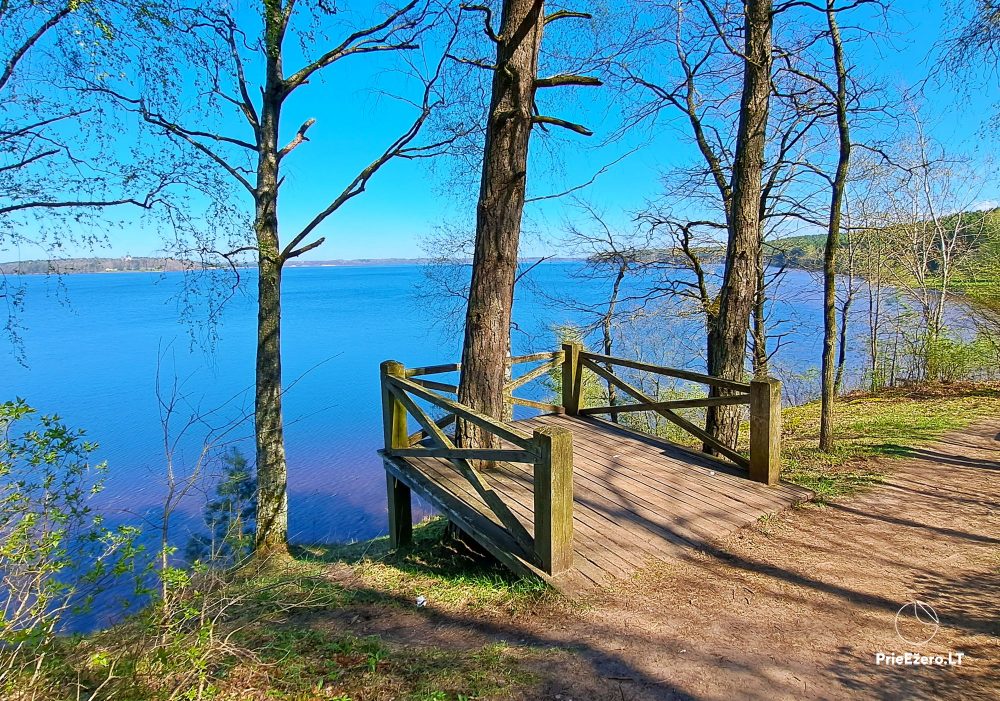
{"x": 440, "y": 386}
{"x": 647, "y": 509}
{"x": 530, "y": 375}
{"x": 466, "y": 454}
{"x": 541, "y": 406}
{"x": 394, "y": 427}
{"x": 520, "y": 500}
{"x": 482, "y": 420}
{"x": 672, "y": 479}
{"x": 429, "y": 427}
{"x": 496, "y": 503}
{"x": 669, "y": 415}
{"x": 433, "y": 369}
{"x": 727, "y": 478}
{"x": 672, "y": 404}
{"x": 765, "y": 430}
{"x": 553, "y": 491}
{"x": 400, "y": 512}
{"x": 778, "y": 497}
{"x": 704, "y": 510}
{"x": 572, "y": 377}
{"x": 487, "y": 533}
{"x": 597, "y": 536}
{"x": 637, "y": 447}
{"x": 423, "y": 433}
{"x": 398, "y": 498}
{"x": 545, "y": 355}
{"x": 670, "y": 372}
{"x": 635, "y": 496}
{"x": 482, "y": 487}
{"x": 591, "y": 545}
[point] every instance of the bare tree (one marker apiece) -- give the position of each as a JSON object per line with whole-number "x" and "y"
{"x": 224, "y": 49}
{"x": 512, "y": 114}
{"x": 612, "y": 255}
{"x": 918, "y": 228}
{"x": 729, "y": 49}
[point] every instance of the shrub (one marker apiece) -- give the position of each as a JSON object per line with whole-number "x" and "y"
{"x": 953, "y": 359}
{"x": 55, "y": 551}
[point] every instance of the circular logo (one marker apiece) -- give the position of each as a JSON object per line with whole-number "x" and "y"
{"x": 917, "y": 623}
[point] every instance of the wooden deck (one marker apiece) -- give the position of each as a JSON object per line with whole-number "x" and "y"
{"x": 635, "y": 499}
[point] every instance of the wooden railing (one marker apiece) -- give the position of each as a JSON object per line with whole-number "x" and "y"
{"x": 549, "y": 450}
{"x": 762, "y": 395}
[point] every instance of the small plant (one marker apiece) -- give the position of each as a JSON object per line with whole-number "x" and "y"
{"x": 229, "y": 517}
{"x": 55, "y": 552}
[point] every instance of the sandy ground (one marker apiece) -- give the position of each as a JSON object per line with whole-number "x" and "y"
{"x": 795, "y": 608}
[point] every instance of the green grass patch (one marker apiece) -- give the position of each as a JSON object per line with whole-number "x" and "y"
{"x": 283, "y": 630}
{"x": 444, "y": 570}
{"x": 866, "y": 427}
{"x": 307, "y": 663}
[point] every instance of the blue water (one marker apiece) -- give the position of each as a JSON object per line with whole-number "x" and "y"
{"x": 95, "y": 344}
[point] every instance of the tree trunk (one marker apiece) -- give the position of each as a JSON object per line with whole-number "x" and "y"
{"x": 845, "y": 310}
{"x": 607, "y": 331}
{"x": 728, "y": 334}
{"x": 828, "y": 388}
{"x": 498, "y": 217}
{"x": 759, "y": 331}
{"x": 272, "y": 470}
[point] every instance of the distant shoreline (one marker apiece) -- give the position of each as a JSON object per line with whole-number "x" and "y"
{"x": 135, "y": 264}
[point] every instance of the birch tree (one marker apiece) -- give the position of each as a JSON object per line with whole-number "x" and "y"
{"x": 243, "y": 82}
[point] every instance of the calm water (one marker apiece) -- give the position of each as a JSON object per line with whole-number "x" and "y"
{"x": 94, "y": 361}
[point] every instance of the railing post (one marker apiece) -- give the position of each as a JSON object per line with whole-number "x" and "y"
{"x": 572, "y": 375}
{"x": 765, "y": 430}
{"x": 396, "y": 436}
{"x": 554, "y": 499}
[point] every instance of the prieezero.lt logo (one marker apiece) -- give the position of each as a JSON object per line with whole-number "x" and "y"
{"x": 917, "y": 623}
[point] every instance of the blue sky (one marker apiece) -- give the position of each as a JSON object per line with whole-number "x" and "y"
{"x": 406, "y": 201}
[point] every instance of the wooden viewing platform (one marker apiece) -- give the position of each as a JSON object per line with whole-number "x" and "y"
{"x": 570, "y": 497}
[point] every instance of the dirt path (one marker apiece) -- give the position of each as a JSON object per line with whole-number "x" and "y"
{"x": 796, "y": 608}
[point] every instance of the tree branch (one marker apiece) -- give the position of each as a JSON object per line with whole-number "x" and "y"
{"x": 556, "y": 122}
{"x": 487, "y": 20}
{"x": 567, "y": 14}
{"x": 360, "y": 41}
{"x": 19, "y": 53}
{"x": 299, "y": 138}
{"x": 568, "y": 79}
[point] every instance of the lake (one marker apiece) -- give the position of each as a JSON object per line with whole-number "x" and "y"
{"x": 94, "y": 342}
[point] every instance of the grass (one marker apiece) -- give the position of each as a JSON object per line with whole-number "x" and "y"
{"x": 868, "y": 427}
{"x": 285, "y": 631}
{"x": 309, "y": 663}
{"x": 443, "y": 570}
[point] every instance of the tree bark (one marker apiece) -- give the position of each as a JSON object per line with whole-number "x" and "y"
{"x": 828, "y": 389}
{"x": 486, "y": 348}
{"x": 727, "y": 337}
{"x": 271, "y": 532}
{"x": 608, "y": 337}
{"x": 759, "y": 330}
